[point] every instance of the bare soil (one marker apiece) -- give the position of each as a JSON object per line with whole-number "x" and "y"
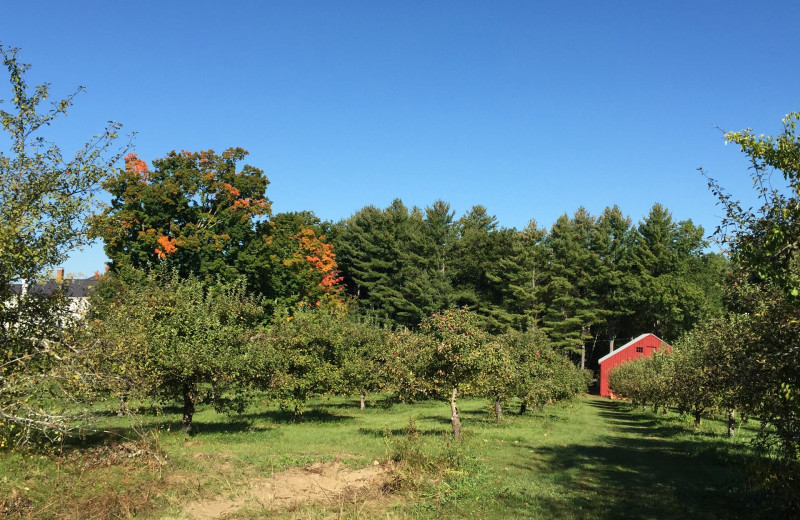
{"x": 324, "y": 483}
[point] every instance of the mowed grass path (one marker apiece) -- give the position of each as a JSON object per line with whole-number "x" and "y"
{"x": 593, "y": 458}
{"x": 604, "y": 460}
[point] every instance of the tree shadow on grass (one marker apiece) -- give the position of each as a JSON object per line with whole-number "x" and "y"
{"x": 169, "y": 419}
{"x": 627, "y": 419}
{"x": 400, "y": 432}
{"x": 142, "y": 410}
{"x": 199, "y": 427}
{"x": 314, "y": 415}
{"x": 470, "y": 416}
{"x": 233, "y": 423}
{"x": 350, "y": 404}
{"x": 642, "y": 480}
{"x": 643, "y": 473}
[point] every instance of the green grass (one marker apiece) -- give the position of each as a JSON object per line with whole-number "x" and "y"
{"x": 594, "y": 458}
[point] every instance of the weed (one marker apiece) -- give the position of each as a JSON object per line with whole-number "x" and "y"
{"x": 437, "y": 470}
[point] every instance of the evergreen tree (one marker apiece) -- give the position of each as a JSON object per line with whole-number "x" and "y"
{"x": 385, "y": 259}
{"x": 614, "y": 282}
{"x": 677, "y": 286}
{"x": 572, "y": 307}
{"x": 442, "y": 237}
{"x": 521, "y": 274}
{"x": 480, "y": 247}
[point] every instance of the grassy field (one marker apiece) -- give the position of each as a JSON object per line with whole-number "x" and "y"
{"x": 593, "y": 458}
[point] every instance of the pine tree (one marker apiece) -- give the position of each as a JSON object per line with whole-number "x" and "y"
{"x": 613, "y": 282}
{"x": 387, "y": 260}
{"x": 521, "y": 273}
{"x": 480, "y": 247}
{"x": 676, "y": 279}
{"x": 571, "y": 304}
{"x": 441, "y": 233}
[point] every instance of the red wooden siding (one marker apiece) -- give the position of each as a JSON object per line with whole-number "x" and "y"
{"x": 647, "y": 343}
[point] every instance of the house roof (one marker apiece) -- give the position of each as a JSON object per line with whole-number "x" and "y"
{"x": 76, "y": 288}
{"x": 628, "y": 344}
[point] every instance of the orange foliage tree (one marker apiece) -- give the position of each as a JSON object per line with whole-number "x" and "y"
{"x": 292, "y": 261}
{"x": 321, "y": 258}
{"x": 193, "y": 211}
{"x": 313, "y": 262}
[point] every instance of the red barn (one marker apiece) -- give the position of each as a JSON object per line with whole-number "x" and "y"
{"x": 642, "y": 346}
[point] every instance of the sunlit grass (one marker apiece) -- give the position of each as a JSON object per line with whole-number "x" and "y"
{"x": 593, "y": 458}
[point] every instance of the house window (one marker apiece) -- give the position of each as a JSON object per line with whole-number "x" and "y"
{"x": 639, "y": 349}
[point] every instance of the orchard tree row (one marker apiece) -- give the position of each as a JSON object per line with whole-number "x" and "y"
{"x": 706, "y": 371}
{"x": 162, "y": 336}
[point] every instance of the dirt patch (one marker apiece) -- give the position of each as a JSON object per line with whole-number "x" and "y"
{"x": 15, "y": 505}
{"x": 326, "y": 483}
{"x": 201, "y": 455}
{"x": 115, "y": 454}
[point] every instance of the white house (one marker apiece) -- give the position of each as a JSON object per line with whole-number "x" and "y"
{"x": 77, "y": 290}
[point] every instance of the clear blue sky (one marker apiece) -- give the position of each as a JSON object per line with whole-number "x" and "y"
{"x": 529, "y": 108}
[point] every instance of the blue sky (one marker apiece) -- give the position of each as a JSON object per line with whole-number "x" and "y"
{"x": 531, "y": 109}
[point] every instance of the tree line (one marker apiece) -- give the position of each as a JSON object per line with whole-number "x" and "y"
{"x": 585, "y": 282}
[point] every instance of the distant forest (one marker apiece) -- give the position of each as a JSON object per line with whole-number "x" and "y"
{"x": 588, "y": 282}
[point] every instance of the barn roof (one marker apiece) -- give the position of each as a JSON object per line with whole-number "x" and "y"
{"x": 628, "y": 344}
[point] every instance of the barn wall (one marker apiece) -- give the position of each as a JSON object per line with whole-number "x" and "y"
{"x": 649, "y": 344}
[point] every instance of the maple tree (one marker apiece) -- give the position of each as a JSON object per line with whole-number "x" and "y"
{"x": 291, "y": 260}
{"x": 316, "y": 259}
{"x": 192, "y": 211}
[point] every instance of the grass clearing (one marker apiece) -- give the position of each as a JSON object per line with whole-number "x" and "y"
{"x": 593, "y": 458}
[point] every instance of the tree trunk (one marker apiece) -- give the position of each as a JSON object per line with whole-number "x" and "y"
{"x": 730, "y": 414}
{"x": 454, "y": 415}
{"x": 123, "y": 405}
{"x": 498, "y": 409}
{"x": 583, "y": 357}
{"x": 363, "y": 397}
{"x": 188, "y": 407}
{"x": 523, "y": 407}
